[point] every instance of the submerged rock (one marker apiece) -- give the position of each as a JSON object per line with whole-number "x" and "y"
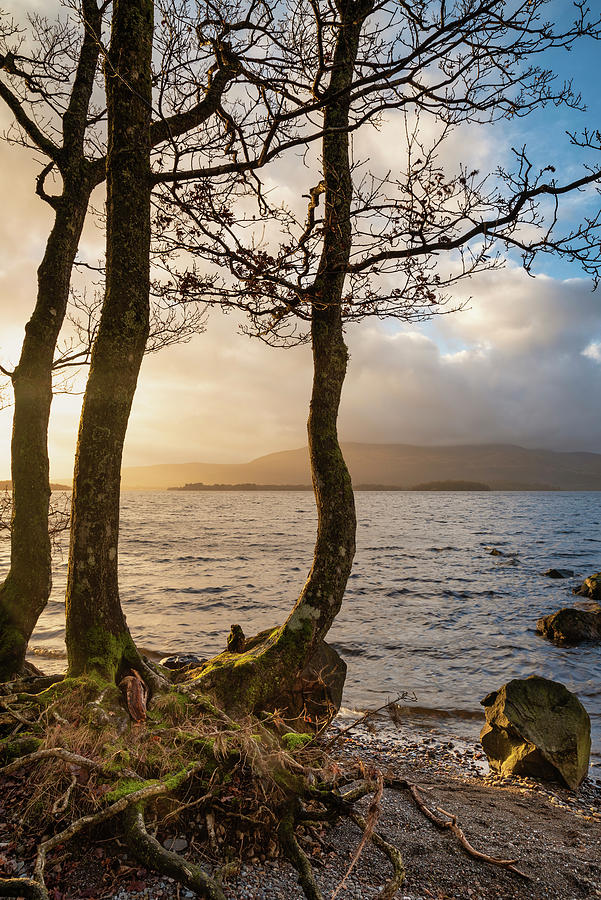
{"x": 537, "y": 727}
{"x": 590, "y": 587}
{"x": 182, "y": 661}
{"x": 559, "y": 573}
{"x": 571, "y": 626}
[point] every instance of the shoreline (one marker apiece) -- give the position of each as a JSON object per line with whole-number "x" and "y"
{"x": 554, "y": 833}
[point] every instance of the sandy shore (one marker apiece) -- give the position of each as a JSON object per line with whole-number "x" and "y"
{"x": 554, "y": 834}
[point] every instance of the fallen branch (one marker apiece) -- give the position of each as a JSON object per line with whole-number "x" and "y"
{"x": 451, "y": 824}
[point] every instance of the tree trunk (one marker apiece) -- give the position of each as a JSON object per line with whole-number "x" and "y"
{"x": 273, "y": 668}
{"x": 26, "y": 589}
{"x": 98, "y": 639}
{"x": 322, "y": 595}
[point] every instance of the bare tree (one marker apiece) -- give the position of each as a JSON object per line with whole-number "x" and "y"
{"x": 372, "y": 244}
{"x": 50, "y": 72}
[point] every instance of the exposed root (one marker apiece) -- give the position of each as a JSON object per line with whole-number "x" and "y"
{"x": 393, "y": 853}
{"x": 296, "y": 854}
{"x": 30, "y": 684}
{"x": 60, "y": 805}
{"x": 23, "y": 887}
{"x": 73, "y": 758}
{"x": 450, "y": 824}
{"x": 154, "y": 856}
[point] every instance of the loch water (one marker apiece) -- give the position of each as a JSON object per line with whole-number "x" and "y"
{"x": 428, "y": 609}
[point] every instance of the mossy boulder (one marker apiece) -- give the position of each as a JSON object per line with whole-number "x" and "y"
{"x": 590, "y": 587}
{"x": 537, "y": 727}
{"x": 571, "y": 626}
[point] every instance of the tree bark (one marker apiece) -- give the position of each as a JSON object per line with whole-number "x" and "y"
{"x": 271, "y": 670}
{"x": 26, "y": 589}
{"x": 98, "y": 639}
{"x": 322, "y": 595}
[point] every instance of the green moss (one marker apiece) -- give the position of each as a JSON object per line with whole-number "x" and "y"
{"x": 293, "y": 741}
{"x": 125, "y": 787}
{"x": 13, "y": 748}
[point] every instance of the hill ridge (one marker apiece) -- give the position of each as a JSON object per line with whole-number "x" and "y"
{"x": 502, "y": 466}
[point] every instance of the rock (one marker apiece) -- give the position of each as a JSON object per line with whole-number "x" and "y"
{"x": 537, "y": 727}
{"x": 559, "y": 573}
{"x": 571, "y": 626}
{"x": 590, "y": 587}
{"x": 175, "y": 844}
{"x": 182, "y": 661}
{"x": 495, "y": 552}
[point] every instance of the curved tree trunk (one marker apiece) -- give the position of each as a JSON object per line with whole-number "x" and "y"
{"x": 98, "y": 639}
{"x": 25, "y": 591}
{"x": 272, "y": 668}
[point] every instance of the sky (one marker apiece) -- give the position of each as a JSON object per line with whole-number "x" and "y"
{"x": 521, "y": 364}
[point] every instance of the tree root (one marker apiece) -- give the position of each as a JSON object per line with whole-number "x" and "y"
{"x": 23, "y": 887}
{"x": 30, "y": 684}
{"x": 59, "y": 753}
{"x": 154, "y": 856}
{"x": 393, "y": 853}
{"x": 296, "y": 854}
{"x": 450, "y": 824}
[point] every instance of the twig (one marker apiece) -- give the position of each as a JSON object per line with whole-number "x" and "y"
{"x": 451, "y": 824}
{"x": 368, "y": 714}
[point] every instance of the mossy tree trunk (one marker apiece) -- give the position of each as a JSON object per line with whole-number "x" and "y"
{"x": 25, "y": 592}
{"x": 26, "y": 589}
{"x": 266, "y": 674}
{"x": 97, "y": 635}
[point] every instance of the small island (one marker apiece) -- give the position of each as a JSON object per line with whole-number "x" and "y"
{"x": 251, "y": 486}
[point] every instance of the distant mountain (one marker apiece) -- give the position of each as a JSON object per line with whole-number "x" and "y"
{"x": 501, "y": 466}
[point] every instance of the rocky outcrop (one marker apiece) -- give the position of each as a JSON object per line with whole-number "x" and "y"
{"x": 590, "y": 587}
{"x": 571, "y": 626}
{"x": 537, "y": 727}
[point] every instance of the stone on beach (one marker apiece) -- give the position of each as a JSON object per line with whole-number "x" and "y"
{"x": 537, "y": 727}
{"x": 571, "y": 626}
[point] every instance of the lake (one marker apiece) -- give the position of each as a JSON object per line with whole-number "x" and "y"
{"x": 428, "y": 608}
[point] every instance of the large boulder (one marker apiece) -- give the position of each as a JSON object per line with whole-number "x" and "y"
{"x": 571, "y": 626}
{"x": 537, "y": 727}
{"x": 590, "y": 587}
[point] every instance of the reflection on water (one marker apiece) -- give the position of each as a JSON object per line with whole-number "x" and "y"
{"x": 428, "y": 608}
